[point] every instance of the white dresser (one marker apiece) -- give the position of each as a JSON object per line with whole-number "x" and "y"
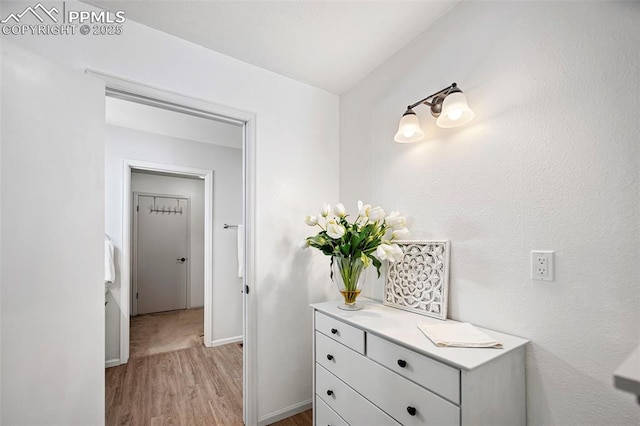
{"x": 375, "y": 367}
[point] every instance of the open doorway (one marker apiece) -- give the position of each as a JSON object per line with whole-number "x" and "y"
{"x": 170, "y": 159}
{"x": 167, "y": 292}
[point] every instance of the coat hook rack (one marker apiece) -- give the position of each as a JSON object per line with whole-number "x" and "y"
{"x": 164, "y": 209}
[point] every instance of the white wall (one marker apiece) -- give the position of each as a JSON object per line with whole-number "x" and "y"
{"x": 194, "y": 189}
{"x": 297, "y": 170}
{"x": 550, "y": 162}
{"x": 52, "y": 276}
{"x": 226, "y": 163}
{"x": 160, "y": 121}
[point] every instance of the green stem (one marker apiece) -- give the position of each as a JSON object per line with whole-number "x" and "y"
{"x": 350, "y": 271}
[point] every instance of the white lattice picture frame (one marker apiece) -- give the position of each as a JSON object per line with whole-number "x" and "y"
{"x": 420, "y": 281}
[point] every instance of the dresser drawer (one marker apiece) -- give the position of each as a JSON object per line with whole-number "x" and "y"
{"x": 340, "y": 332}
{"x": 350, "y": 405}
{"x": 392, "y": 393}
{"x": 335, "y": 357}
{"x": 325, "y": 416}
{"x": 433, "y": 375}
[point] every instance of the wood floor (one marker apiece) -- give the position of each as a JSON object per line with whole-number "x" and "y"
{"x": 303, "y": 419}
{"x": 166, "y": 331}
{"x": 192, "y": 386}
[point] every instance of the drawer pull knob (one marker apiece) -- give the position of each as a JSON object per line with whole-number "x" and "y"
{"x": 329, "y": 392}
{"x": 411, "y": 410}
{"x": 329, "y": 357}
{"x": 334, "y": 331}
{"x": 402, "y": 363}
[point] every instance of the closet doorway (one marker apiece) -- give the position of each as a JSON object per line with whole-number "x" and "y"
{"x": 167, "y": 275}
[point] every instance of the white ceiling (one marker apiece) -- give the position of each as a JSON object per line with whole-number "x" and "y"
{"x": 327, "y": 44}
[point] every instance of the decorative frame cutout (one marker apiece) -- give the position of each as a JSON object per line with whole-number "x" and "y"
{"x": 420, "y": 281}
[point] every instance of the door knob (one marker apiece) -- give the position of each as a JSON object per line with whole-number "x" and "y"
{"x": 181, "y": 259}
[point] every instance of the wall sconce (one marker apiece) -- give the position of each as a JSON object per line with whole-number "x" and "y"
{"x": 448, "y": 105}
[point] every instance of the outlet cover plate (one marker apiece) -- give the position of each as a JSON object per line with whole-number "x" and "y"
{"x": 542, "y": 265}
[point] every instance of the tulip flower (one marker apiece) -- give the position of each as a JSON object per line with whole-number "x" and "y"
{"x": 303, "y": 244}
{"x": 325, "y": 210}
{"x": 396, "y": 221}
{"x": 339, "y": 210}
{"x": 335, "y": 231}
{"x": 311, "y": 220}
{"x": 390, "y": 252}
{"x": 364, "y": 209}
{"x": 376, "y": 214}
{"x": 362, "y": 220}
{"x": 400, "y": 234}
{"x": 397, "y": 254}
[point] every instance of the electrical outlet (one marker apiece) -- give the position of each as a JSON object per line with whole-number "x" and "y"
{"x": 542, "y": 266}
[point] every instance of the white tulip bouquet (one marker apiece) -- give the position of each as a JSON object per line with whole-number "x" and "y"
{"x": 353, "y": 246}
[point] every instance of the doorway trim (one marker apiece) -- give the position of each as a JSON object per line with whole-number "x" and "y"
{"x": 126, "y": 264}
{"x": 142, "y": 93}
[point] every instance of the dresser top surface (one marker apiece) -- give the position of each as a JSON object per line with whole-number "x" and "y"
{"x": 401, "y": 327}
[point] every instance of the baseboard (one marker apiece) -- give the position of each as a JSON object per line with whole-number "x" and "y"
{"x": 226, "y": 341}
{"x": 285, "y": 413}
{"x": 112, "y": 363}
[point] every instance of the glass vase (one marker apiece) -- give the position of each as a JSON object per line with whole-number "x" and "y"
{"x": 348, "y": 274}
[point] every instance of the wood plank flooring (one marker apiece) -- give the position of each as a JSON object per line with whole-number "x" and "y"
{"x": 193, "y": 386}
{"x": 166, "y": 331}
{"x": 303, "y": 419}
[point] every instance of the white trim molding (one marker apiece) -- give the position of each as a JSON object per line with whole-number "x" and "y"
{"x": 285, "y": 413}
{"x": 112, "y": 363}
{"x": 127, "y": 255}
{"x": 142, "y": 93}
{"x": 250, "y": 300}
{"x": 227, "y": 341}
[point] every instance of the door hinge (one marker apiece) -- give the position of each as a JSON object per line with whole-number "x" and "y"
{"x": 137, "y": 208}
{"x": 136, "y": 295}
{"x": 246, "y": 289}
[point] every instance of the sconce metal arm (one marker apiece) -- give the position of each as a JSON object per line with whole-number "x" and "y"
{"x": 444, "y": 92}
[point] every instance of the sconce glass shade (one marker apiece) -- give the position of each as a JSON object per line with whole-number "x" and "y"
{"x": 455, "y": 111}
{"x": 409, "y": 129}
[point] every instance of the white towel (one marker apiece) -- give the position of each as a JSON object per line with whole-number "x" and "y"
{"x": 462, "y": 335}
{"x": 109, "y": 264}
{"x": 240, "y": 251}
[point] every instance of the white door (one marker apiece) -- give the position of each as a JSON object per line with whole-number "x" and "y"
{"x": 52, "y": 221}
{"x": 162, "y": 258}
